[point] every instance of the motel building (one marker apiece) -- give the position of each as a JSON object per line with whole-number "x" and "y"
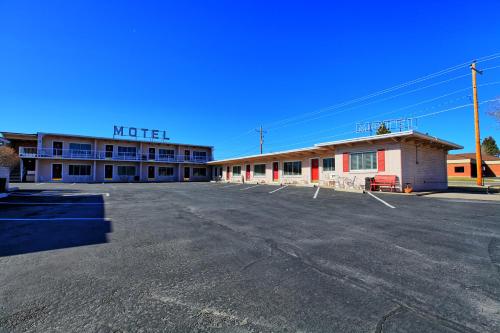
{"x": 49, "y": 157}
{"x": 410, "y": 158}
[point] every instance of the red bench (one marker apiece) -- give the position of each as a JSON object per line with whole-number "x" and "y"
{"x": 383, "y": 181}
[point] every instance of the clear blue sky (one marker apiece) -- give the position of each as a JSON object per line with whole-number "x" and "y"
{"x": 210, "y": 72}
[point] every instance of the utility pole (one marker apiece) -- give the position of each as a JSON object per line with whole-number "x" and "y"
{"x": 479, "y": 161}
{"x": 261, "y": 137}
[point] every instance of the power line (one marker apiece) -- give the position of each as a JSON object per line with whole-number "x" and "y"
{"x": 391, "y": 112}
{"x": 400, "y": 86}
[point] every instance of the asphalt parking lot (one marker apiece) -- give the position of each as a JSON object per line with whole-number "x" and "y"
{"x": 204, "y": 257}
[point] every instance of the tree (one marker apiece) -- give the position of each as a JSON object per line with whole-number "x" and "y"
{"x": 489, "y": 146}
{"x": 382, "y": 129}
{"x": 8, "y": 157}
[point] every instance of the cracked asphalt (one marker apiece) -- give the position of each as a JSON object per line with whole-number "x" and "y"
{"x": 203, "y": 257}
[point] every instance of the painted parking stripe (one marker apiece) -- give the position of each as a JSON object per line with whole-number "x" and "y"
{"x": 316, "y": 193}
{"x": 247, "y": 188}
{"x": 382, "y": 201}
{"x": 38, "y": 184}
{"x": 56, "y": 219}
{"x": 279, "y": 188}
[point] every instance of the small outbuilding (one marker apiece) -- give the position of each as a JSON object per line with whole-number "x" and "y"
{"x": 410, "y": 157}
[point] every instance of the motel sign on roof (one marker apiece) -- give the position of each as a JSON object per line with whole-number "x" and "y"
{"x": 144, "y": 133}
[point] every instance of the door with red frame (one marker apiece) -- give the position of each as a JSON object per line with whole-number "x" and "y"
{"x": 314, "y": 170}
{"x": 247, "y": 173}
{"x": 228, "y": 173}
{"x": 276, "y": 174}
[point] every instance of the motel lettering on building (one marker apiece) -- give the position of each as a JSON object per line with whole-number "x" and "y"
{"x": 134, "y": 132}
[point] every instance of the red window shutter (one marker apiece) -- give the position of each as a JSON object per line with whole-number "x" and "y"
{"x": 345, "y": 161}
{"x": 381, "y": 160}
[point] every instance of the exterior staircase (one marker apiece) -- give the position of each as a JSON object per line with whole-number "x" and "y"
{"x": 15, "y": 175}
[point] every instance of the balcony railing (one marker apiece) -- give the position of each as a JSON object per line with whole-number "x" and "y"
{"x": 107, "y": 155}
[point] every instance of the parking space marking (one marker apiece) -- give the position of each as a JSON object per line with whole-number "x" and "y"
{"x": 279, "y": 188}
{"x": 56, "y": 219}
{"x": 382, "y": 201}
{"x": 38, "y": 184}
{"x": 316, "y": 193}
{"x": 247, "y": 188}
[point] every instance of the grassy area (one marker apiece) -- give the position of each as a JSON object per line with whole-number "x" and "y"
{"x": 461, "y": 179}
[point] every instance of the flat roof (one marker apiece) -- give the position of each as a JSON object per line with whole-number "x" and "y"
{"x": 27, "y": 136}
{"x": 332, "y": 144}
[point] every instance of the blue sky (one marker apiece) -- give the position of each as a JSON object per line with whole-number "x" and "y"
{"x": 210, "y": 72}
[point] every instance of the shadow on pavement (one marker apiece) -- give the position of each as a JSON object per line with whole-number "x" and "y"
{"x": 27, "y": 227}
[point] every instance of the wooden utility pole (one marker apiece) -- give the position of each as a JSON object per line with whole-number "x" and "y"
{"x": 261, "y": 138}
{"x": 479, "y": 161}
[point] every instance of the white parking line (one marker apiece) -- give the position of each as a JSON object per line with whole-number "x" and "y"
{"x": 232, "y": 185}
{"x": 56, "y": 219}
{"x": 247, "y": 188}
{"x": 73, "y": 184}
{"x": 382, "y": 201}
{"x": 38, "y": 184}
{"x": 279, "y": 188}
{"x": 316, "y": 193}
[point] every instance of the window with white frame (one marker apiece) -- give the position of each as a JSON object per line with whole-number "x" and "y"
{"x": 292, "y": 168}
{"x": 127, "y": 152}
{"x": 364, "y": 160}
{"x": 80, "y": 149}
{"x": 329, "y": 164}
{"x": 166, "y": 154}
{"x": 259, "y": 170}
{"x": 165, "y": 171}
{"x": 79, "y": 170}
{"x": 199, "y": 172}
{"x": 237, "y": 170}
{"x": 126, "y": 170}
{"x": 200, "y": 155}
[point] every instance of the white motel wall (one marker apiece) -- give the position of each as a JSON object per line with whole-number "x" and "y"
{"x": 413, "y": 158}
{"x": 72, "y": 158}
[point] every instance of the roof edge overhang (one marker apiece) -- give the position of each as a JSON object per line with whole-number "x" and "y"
{"x": 398, "y": 137}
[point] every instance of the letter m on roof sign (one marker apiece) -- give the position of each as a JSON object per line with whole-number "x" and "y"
{"x": 381, "y": 159}
{"x": 345, "y": 162}
{"x": 118, "y": 130}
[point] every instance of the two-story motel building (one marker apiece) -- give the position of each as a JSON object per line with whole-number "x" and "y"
{"x": 50, "y": 157}
{"x": 414, "y": 158}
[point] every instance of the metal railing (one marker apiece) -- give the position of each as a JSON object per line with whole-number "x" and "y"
{"x": 107, "y": 155}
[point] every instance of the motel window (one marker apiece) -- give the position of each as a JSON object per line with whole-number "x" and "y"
{"x": 79, "y": 170}
{"x": 166, "y": 153}
{"x": 329, "y": 164}
{"x": 459, "y": 169}
{"x": 126, "y": 170}
{"x": 364, "y": 161}
{"x": 200, "y": 155}
{"x": 199, "y": 172}
{"x": 80, "y": 146}
{"x": 259, "y": 170}
{"x": 127, "y": 151}
{"x": 292, "y": 168}
{"x": 165, "y": 171}
{"x": 80, "y": 149}
{"x": 236, "y": 170}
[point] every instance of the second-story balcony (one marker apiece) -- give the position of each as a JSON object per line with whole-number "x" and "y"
{"x": 53, "y": 153}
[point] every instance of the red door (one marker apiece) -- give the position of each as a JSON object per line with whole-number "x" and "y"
{"x": 228, "y": 175}
{"x": 315, "y": 170}
{"x": 247, "y": 175}
{"x": 275, "y": 171}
